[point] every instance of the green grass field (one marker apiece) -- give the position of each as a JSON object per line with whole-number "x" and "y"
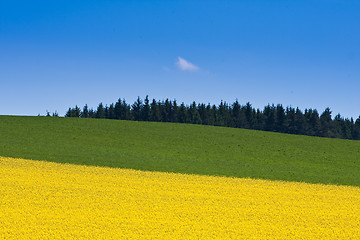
{"x": 182, "y": 148}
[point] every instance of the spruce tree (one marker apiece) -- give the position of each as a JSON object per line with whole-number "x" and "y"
{"x": 100, "y": 112}
{"x": 92, "y": 113}
{"x": 249, "y": 115}
{"x": 210, "y": 114}
{"x": 237, "y": 115}
{"x": 300, "y": 123}
{"x": 68, "y": 113}
{"x": 146, "y": 110}
{"x": 356, "y": 130}
{"x": 326, "y": 122}
{"x": 291, "y": 121}
{"x": 136, "y": 109}
{"x": 314, "y": 122}
{"x": 106, "y": 112}
{"x": 219, "y": 114}
{"x": 154, "y": 112}
{"x": 280, "y": 118}
{"x": 111, "y": 114}
{"x": 175, "y": 111}
{"x": 203, "y": 114}
{"x": 85, "y": 112}
{"x": 166, "y": 111}
{"x": 194, "y": 114}
{"x": 182, "y": 115}
{"x": 269, "y": 114}
{"x": 118, "y": 109}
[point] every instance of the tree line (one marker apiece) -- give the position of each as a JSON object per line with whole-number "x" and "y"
{"x": 271, "y": 118}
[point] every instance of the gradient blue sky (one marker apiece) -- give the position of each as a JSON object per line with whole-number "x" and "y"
{"x": 56, "y": 54}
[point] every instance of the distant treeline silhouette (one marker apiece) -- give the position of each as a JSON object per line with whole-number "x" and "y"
{"x": 271, "y": 118}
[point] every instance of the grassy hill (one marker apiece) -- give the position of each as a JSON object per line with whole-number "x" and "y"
{"x": 182, "y": 148}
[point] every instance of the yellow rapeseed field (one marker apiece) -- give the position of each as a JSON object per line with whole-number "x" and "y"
{"x": 43, "y": 200}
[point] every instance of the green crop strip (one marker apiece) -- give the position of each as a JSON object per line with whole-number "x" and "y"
{"x": 183, "y": 148}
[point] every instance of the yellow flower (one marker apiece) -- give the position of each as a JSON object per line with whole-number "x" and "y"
{"x": 43, "y": 200}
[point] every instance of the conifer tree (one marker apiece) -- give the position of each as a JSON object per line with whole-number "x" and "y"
{"x": 290, "y": 120}
{"x": 219, "y": 114}
{"x": 91, "y": 113}
{"x": 106, "y": 112}
{"x": 210, "y": 114}
{"x": 136, "y": 109}
{"x": 154, "y": 112}
{"x": 203, "y": 114}
{"x": 300, "y": 123}
{"x": 280, "y": 118}
{"x": 314, "y": 122}
{"x": 175, "y": 112}
{"x": 167, "y": 111}
{"x": 111, "y": 114}
{"x": 356, "y": 130}
{"x": 127, "y": 111}
{"x": 118, "y": 109}
{"x": 146, "y": 110}
{"x": 238, "y": 118}
{"x": 194, "y": 114}
{"x": 325, "y": 122}
{"x": 260, "y": 120}
{"x": 269, "y": 114}
{"x": 249, "y": 115}
{"x": 85, "y": 112}
{"x": 100, "y": 112}
{"x": 182, "y": 116}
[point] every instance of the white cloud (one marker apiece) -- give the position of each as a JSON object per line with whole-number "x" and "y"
{"x": 185, "y": 65}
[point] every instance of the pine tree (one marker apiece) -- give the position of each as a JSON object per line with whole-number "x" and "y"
{"x": 260, "y": 120}
{"x": 92, "y": 113}
{"x": 219, "y": 114}
{"x": 300, "y": 123}
{"x": 237, "y": 115}
{"x": 100, "y": 112}
{"x": 168, "y": 113}
{"x": 182, "y": 115}
{"x": 136, "y": 109}
{"x": 314, "y": 122}
{"x": 106, "y": 112}
{"x": 269, "y": 114}
{"x": 249, "y": 116}
{"x": 210, "y": 114}
{"x": 68, "y": 113}
{"x": 347, "y": 129}
{"x": 127, "y": 111}
{"x": 154, "y": 112}
{"x": 194, "y": 114}
{"x": 76, "y": 112}
{"x": 85, "y": 112}
{"x": 326, "y": 122}
{"x": 175, "y": 112}
{"x": 111, "y": 114}
{"x": 338, "y": 126}
{"x": 203, "y": 114}
{"x": 290, "y": 120}
{"x": 356, "y": 130}
{"x": 146, "y": 110}
{"x": 280, "y": 118}
{"x": 117, "y": 109}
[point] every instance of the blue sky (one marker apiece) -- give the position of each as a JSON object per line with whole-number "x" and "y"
{"x": 56, "y": 54}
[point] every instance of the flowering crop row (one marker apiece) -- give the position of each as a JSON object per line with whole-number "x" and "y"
{"x": 41, "y": 200}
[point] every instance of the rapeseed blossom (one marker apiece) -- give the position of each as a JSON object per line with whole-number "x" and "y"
{"x": 43, "y": 200}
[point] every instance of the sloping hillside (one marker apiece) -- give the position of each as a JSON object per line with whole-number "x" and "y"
{"x": 182, "y": 148}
